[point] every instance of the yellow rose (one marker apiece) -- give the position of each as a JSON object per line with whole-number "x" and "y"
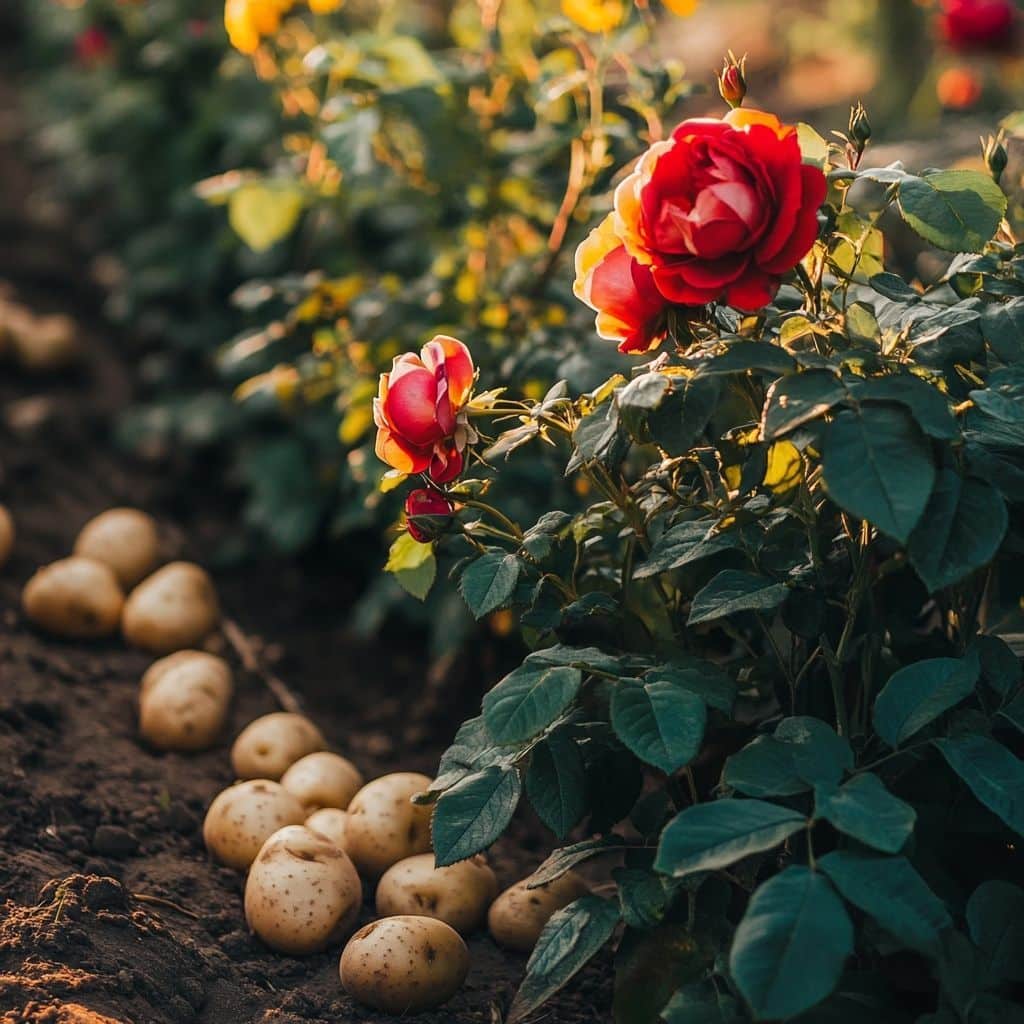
{"x": 595, "y": 15}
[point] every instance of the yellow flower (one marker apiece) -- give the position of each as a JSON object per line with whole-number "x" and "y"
{"x": 247, "y": 21}
{"x": 595, "y": 15}
{"x": 325, "y": 6}
{"x": 682, "y": 8}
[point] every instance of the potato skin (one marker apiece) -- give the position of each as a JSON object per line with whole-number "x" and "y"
{"x": 518, "y": 915}
{"x": 45, "y": 344}
{"x": 384, "y": 826}
{"x": 268, "y": 746}
{"x": 183, "y": 705}
{"x": 174, "y": 608}
{"x": 6, "y": 535}
{"x": 125, "y": 539}
{"x": 74, "y": 597}
{"x": 323, "y": 779}
{"x": 404, "y": 964}
{"x": 458, "y": 894}
{"x": 302, "y": 892}
{"x": 244, "y": 816}
{"x": 330, "y": 823}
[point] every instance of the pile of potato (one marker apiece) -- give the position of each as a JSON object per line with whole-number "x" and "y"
{"x": 310, "y": 831}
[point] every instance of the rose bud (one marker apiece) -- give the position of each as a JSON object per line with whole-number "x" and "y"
{"x": 428, "y": 514}
{"x": 977, "y": 24}
{"x": 422, "y": 423}
{"x": 732, "y": 81}
{"x": 996, "y": 157}
{"x": 721, "y": 210}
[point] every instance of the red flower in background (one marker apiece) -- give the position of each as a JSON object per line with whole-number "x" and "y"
{"x": 428, "y": 513}
{"x": 722, "y": 210}
{"x": 418, "y": 410}
{"x": 977, "y": 24}
{"x": 92, "y": 46}
{"x": 958, "y": 88}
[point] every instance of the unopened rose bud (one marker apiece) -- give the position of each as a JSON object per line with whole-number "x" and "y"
{"x": 428, "y": 514}
{"x": 996, "y": 157}
{"x": 860, "y": 127}
{"x": 732, "y": 80}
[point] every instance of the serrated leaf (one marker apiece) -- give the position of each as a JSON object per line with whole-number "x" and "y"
{"x": 684, "y": 543}
{"x": 660, "y": 722}
{"x": 556, "y": 783}
{"x": 568, "y": 857}
{"x": 732, "y": 591}
{"x": 864, "y": 809}
{"x": 529, "y": 699}
{"x": 927, "y": 404}
{"x": 489, "y": 581}
{"x": 471, "y": 815}
{"x": 992, "y": 774}
{"x": 413, "y": 565}
{"x": 958, "y": 211}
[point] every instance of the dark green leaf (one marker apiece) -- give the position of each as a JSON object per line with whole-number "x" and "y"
{"x": 893, "y": 893}
{"x": 489, "y": 581}
{"x": 992, "y": 774}
{"x": 927, "y": 404}
{"x": 643, "y": 896}
{"x": 733, "y": 590}
{"x": 556, "y": 783}
{"x": 1014, "y": 712}
{"x": 864, "y": 809}
{"x": 789, "y": 950}
{"x": 800, "y": 397}
{"x": 706, "y": 680}
{"x": 741, "y": 356}
{"x": 472, "y": 749}
{"x": 567, "y": 943}
{"x": 819, "y": 753}
{"x": 471, "y": 815}
{"x": 659, "y": 721}
{"x": 715, "y": 1009}
{"x": 714, "y": 835}
{"x": 529, "y": 699}
{"x": 640, "y": 397}
{"x": 568, "y": 857}
{"x": 958, "y": 211}
{"x": 765, "y": 767}
{"x": 878, "y": 466}
{"x": 919, "y": 693}
{"x": 684, "y": 543}
{"x": 681, "y": 418}
{"x": 1000, "y": 667}
{"x": 995, "y": 917}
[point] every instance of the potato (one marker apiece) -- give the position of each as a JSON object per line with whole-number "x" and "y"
{"x": 74, "y": 597}
{"x": 458, "y": 894}
{"x": 302, "y": 892}
{"x": 330, "y": 823}
{"x": 267, "y": 747}
{"x": 45, "y": 344}
{"x": 125, "y": 539}
{"x": 404, "y": 964}
{"x": 174, "y": 608}
{"x": 244, "y": 816}
{"x": 518, "y": 915}
{"x": 384, "y": 826}
{"x": 183, "y": 704}
{"x": 6, "y": 535}
{"x": 323, "y": 779}
{"x": 15, "y": 319}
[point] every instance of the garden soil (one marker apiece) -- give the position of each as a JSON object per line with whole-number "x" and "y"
{"x": 110, "y": 909}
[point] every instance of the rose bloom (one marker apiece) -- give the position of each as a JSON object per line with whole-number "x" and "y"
{"x": 721, "y": 210}
{"x": 977, "y": 24}
{"x": 92, "y": 46}
{"x": 427, "y": 513}
{"x": 958, "y": 88}
{"x": 419, "y": 410}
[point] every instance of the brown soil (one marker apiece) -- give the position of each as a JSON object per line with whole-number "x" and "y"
{"x": 112, "y": 912}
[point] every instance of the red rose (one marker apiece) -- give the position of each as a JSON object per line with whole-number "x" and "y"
{"x": 977, "y": 24}
{"x": 92, "y": 46}
{"x": 630, "y": 309}
{"x": 722, "y": 210}
{"x": 427, "y": 513}
{"x": 421, "y": 427}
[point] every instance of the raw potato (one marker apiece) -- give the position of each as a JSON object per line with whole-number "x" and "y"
{"x": 458, "y": 894}
{"x": 174, "y": 608}
{"x": 384, "y": 826}
{"x": 404, "y": 964}
{"x": 125, "y": 539}
{"x": 269, "y": 746}
{"x": 330, "y": 823}
{"x": 74, "y": 597}
{"x": 518, "y": 915}
{"x": 244, "y": 816}
{"x": 45, "y": 344}
{"x": 323, "y": 779}
{"x": 6, "y": 535}
{"x": 184, "y": 701}
{"x": 302, "y": 892}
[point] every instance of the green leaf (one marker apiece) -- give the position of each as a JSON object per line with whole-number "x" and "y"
{"x": 765, "y": 767}
{"x": 471, "y": 815}
{"x": 568, "y": 857}
{"x": 864, "y": 809}
{"x": 709, "y": 836}
{"x": 958, "y": 211}
{"x": 640, "y": 397}
{"x": 529, "y": 699}
{"x": 789, "y": 950}
{"x": 1000, "y": 667}
{"x": 569, "y": 940}
{"x": 927, "y": 404}
{"x": 489, "y": 581}
{"x": 684, "y": 543}
{"x": 733, "y": 590}
{"x": 820, "y": 755}
{"x": 263, "y": 213}
{"x": 919, "y": 693}
{"x": 715, "y": 1009}
{"x": 413, "y": 565}
{"x": 643, "y": 896}
{"x": 995, "y": 918}
{"x": 682, "y": 417}
{"x": 660, "y": 722}
{"x": 1014, "y": 712}
{"x": 992, "y": 774}
{"x": 798, "y": 398}
{"x": 878, "y": 466}
{"x": 759, "y": 356}
{"x": 472, "y": 748}
{"x": 709, "y": 682}
{"x": 960, "y": 531}
{"x": 556, "y": 783}
{"x": 893, "y": 893}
